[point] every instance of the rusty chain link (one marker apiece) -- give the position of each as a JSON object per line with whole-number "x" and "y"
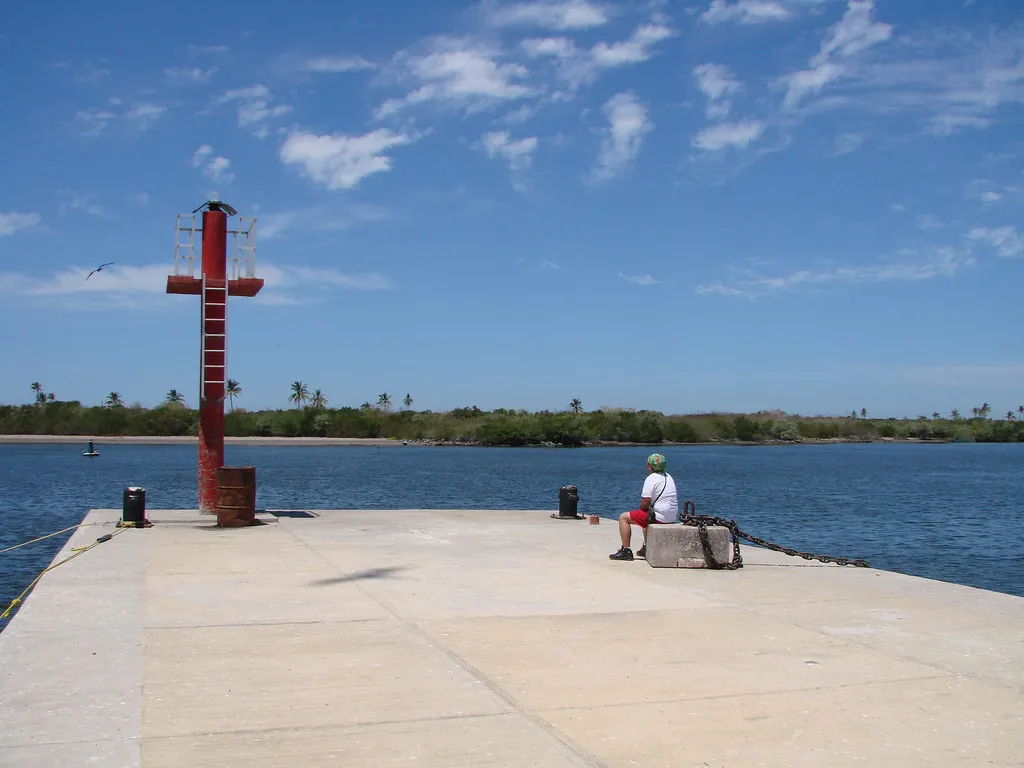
{"x": 689, "y": 516}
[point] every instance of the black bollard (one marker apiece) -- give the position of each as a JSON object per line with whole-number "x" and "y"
{"x": 134, "y": 509}
{"x": 568, "y": 499}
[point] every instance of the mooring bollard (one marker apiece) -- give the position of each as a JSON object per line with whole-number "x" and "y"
{"x": 133, "y": 509}
{"x": 568, "y": 499}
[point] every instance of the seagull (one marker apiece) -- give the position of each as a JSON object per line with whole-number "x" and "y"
{"x": 100, "y": 267}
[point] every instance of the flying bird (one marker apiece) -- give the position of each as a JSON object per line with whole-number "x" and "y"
{"x": 99, "y": 268}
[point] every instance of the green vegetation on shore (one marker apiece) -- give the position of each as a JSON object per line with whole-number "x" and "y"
{"x": 499, "y": 427}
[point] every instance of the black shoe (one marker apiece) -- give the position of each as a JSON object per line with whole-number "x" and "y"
{"x": 625, "y": 553}
{"x": 642, "y": 552}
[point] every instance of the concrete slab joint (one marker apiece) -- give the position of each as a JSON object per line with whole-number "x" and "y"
{"x": 678, "y": 546}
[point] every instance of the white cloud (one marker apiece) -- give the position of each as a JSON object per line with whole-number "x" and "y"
{"x": 72, "y": 201}
{"x": 744, "y": 11}
{"x": 215, "y": 168}
{"x": 847, "y": 143}
{"x": 947, "y": 125}
{"x": 14, "y": 222}
{"x": 113, "y": 280}
{"x": 341, "y": 161}
{"x": 628, "y": 124}
{"x": 809, "y": 82}
{"x": 551, "y": 14}
{"x": 254, "y": 110}
{"x": 943, "y": 262}
{"x": 121, "y": 286}
{"x": 717, "y": 83}
{"x": 327, "y": 217}
{"x": 988, "y": 192}
{"x": 949, "y": 80}
{"x": 631, "y": 51}
{"x": 334, "y": 64}
{"x": 898, "y": 208}
{"x": 189, "y": 75}
{"x": 928, "y": 222}
{"x": 1006, "y": 240}
{"x": 93, "y": 121}
{"x": 279, "y": 277}
{"x": 144, "y": 116}
{"x": 459, "y": 73}
{"x": 640, "y": 279}
{"x": 517, "y": 153}
{"x": 557, "y": 47}
{"x": 207, "y": 50}
{"x": 725, "y": 135}
{"x": 854, "y": 33}
{"x": 578, "y": 66}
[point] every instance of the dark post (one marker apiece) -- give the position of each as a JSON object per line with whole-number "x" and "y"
{"x": 568, "y": 499}
{"x": 134, "y": 507}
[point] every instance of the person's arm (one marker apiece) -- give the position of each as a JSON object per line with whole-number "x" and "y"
{"x": 645, "y": 494}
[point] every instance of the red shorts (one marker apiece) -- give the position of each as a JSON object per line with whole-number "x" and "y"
{"x": 639, "y": 517}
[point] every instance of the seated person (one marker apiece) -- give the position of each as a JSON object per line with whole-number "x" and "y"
{"x": 660, "y": 487}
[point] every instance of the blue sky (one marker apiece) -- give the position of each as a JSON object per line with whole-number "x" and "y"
{"x": 723, "y": 205}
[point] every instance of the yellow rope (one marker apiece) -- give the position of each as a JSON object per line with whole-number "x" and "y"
{"x": 77, "y": 551}
{"x": 47, "y": 536}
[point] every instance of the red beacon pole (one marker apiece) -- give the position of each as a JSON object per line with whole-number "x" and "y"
{"x": 213, "y": 285}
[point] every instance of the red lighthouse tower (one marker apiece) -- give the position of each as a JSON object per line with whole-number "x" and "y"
{"x": 214, "y": 284}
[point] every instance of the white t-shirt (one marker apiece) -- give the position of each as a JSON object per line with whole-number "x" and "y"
{"x": 666, "y": 509}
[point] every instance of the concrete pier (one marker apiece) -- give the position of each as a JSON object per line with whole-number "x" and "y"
{"x": 475, "y": 638}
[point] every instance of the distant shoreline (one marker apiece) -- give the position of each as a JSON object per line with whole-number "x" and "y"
{"x": 390, "y": 442}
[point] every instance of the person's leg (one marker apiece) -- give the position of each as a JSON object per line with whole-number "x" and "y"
{"x": 625, "y": 532}
{"x": 633, "y": 517}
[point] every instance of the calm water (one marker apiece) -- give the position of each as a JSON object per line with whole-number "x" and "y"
{"x": 951, "y": 512}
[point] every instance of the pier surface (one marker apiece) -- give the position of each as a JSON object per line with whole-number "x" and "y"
{"x": 475, "y": 638}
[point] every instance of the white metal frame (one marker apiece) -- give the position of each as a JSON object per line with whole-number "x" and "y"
{"x": 185, "y": 250}
{"x": 243, "y": 248}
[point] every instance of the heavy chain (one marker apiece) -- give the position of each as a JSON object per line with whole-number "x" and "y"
{"x": 701, "y": 522}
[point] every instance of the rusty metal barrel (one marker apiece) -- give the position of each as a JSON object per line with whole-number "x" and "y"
{"x": 236, "y": 496}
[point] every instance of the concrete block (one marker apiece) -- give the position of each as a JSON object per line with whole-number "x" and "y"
{"x": 678, "y": 546}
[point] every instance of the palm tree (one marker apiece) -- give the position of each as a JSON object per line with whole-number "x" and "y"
{"x": 576, "y": 405}
{"x": 232, "y": 389}
{"x": 299, "y": 395}
{"x": 174, "y": 397}
{"x": 853, "y": 414}
{"x": 367, "y": 406}
{"x": 384, "y": 402}
{"x": 955, "y": 413}
{"x": 318, "y": 400}
{"x": 935, "y": 414}
{"x": 51, "y": 397}
{"x": 1020, "y": 411}
{"x": 985, "y": 410}
{"x": 863, "y": 413}
{"x": 1010, "y": 416}
{"x": 38, "y": 389}
{"x": 114, "y": 400}
{"x": 407, "y": 401}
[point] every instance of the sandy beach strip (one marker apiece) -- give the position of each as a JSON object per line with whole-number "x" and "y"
{"x": 191, "y": 440}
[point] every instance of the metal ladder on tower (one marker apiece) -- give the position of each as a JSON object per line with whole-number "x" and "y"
{"x": 214, "y": 303}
